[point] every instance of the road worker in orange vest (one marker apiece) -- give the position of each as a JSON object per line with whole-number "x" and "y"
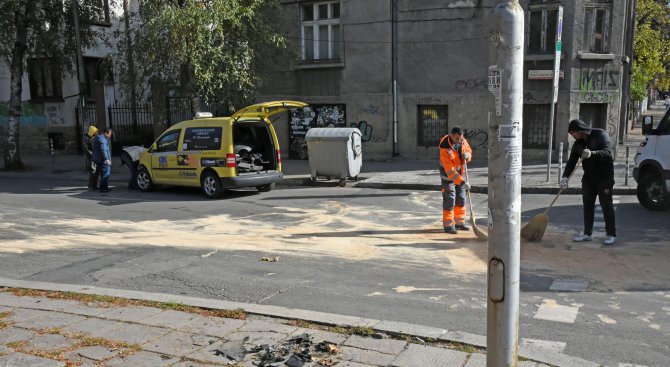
{"x": 454, "y": 152}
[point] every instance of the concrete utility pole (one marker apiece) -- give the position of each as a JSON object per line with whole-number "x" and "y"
{"x": 505, "y": 130}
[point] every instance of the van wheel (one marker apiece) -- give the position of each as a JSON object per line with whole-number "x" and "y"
{"x": 651, "y": 193}
{"x": 343, "y": 182}
{"x": 143, "y": 180}
{"x": 266, "y": 188}
{"x": 211, "y": 185}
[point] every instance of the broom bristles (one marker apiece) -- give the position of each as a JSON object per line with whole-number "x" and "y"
{"x": 534, "y": 230}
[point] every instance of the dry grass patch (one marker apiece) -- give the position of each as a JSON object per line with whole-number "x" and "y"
{"x": 109, "y": 301}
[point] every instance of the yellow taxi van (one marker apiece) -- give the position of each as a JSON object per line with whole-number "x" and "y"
{"x": 217, "y": 153}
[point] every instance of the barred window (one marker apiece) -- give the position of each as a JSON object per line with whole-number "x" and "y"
{"x": 432, "y": 124}
{"x": 536, "y": 126}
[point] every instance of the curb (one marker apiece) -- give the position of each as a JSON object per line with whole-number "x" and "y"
{"x": 300, "y": 181}
{"x": 477, "y": 189}
{"x": 385, "y": 326}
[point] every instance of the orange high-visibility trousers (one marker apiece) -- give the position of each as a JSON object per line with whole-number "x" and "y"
{"x": 453, "y": 204}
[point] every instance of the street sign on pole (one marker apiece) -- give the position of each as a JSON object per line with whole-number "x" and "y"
{"x": 554, "y": 95}
{"x": 505, "y": 131}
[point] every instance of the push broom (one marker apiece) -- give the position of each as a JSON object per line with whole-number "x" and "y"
{"x": 534, "y": 230}
{"x": 478, "y": 232}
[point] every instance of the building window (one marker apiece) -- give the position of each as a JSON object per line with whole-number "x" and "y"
{"x": 97, "y": 70}
{"x": 44, "y": 77}
{"x": 433, "y": 124}
{"x": 536, "y": 126}
{"x": 542, "y": 31}
{"x": 596, "y": 26}
{"x": 99, "y": 11}
{"x": 320, "y": 32}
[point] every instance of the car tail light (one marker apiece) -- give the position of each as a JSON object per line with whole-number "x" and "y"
{"x": 278, "y": 156}
{"x": 230, "y": 160}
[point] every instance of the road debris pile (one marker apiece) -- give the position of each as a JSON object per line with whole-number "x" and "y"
{"x": 273, "y": 259}
{"x": 298, "y": 351}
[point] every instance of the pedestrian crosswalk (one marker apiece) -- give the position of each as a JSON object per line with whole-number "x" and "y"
{"x": 599, "y": 222}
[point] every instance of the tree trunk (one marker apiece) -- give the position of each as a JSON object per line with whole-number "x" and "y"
{"x": 12, "y": 157}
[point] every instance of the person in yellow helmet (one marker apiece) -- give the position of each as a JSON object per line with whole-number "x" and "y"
{"x": 91, "y": 167}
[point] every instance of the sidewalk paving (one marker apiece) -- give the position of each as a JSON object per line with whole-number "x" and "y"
{"x": 393, "y": 174}
{"x": 57, "y": 329}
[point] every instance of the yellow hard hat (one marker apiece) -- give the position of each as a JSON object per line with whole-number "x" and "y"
{"x": 92, "y": 130}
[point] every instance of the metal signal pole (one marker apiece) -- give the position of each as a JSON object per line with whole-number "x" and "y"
{"x": 505, "y": 130}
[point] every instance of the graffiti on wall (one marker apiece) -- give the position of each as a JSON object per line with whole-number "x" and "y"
{"x": 32, "y": 114}
{"x": 595, "y": 85}
{"x": 471, "y": 84}
{"x": 598, "y": 78}
{"x": 366, "y": 131}
{"x": 478, "y": 139}
{"x": 303, "y": 119}
{"x": 54, "y": 115}
{"x": 369, "y": 110}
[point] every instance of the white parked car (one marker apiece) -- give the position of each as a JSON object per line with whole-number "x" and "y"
{"x": 652, "y": 164}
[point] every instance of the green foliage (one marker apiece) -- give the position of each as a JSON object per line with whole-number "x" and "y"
{"x": 652, "y": 47}
{"x": 209, "y": 48}
{"x": 50, "y": 25}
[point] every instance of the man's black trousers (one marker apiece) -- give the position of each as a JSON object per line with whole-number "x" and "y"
{"x": 603, "y": 190}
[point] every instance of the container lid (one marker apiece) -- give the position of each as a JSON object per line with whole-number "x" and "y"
{"x": 331, "y": 133}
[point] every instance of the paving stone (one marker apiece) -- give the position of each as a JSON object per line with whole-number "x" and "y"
{"x": 366, "y": 356}
{"x": 194, "y": 324}
{"x": 24, "y": 360}
{"x": 136, "y": 334}
{"x": 49, "y": 319}
{"x": 49, "y": 342}
{"x": 176, "y": 343}
{"x": 209, "y": 353}
{"x": 129, "y": 313}
{"x": 527, "y": 364}
{"x": 194, "y": 364}
{"x": 97, "y": 352}
{"x": 410, "y": 329}
{"x": 5, "y": 309}
{"x": 266, "y": 326}
{"x": 256, "y": 338}
{"x": 421, "y": 356}
{"x": 25, "y": 314}
{"x": 94, "y": 327}
{"x": 476, "y": 360}
{"x": 11, "y": 300}
{"x": 142, "y": 359}
{"x": 354, "y": 364}
{"x": 13, "y": 335}
{"x": 5, "y": 350}
{"x": 319, "y": 336}
{"x": 388, "y": 346}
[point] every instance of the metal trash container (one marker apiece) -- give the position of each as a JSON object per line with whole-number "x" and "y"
{"x": 334, "y": 153}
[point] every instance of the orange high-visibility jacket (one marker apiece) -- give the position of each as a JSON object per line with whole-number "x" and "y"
{"x": 451, "y": 162}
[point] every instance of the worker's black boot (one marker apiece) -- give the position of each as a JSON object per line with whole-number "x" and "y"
{"x": 450, "y": 230}
{"x": 462, "y": 227}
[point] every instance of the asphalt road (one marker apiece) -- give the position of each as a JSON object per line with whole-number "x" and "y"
{"x": 362, "y": 252}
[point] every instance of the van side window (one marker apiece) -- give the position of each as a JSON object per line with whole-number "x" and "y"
{"x": 202, "y": 138}
{"x": 168, "y": 142}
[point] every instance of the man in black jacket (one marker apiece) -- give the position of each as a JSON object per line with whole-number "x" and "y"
{"x": 593, "y": 146}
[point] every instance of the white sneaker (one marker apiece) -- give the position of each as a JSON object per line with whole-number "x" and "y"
{"x": 583, "y": 238}
{"x": 610, "y": 240}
